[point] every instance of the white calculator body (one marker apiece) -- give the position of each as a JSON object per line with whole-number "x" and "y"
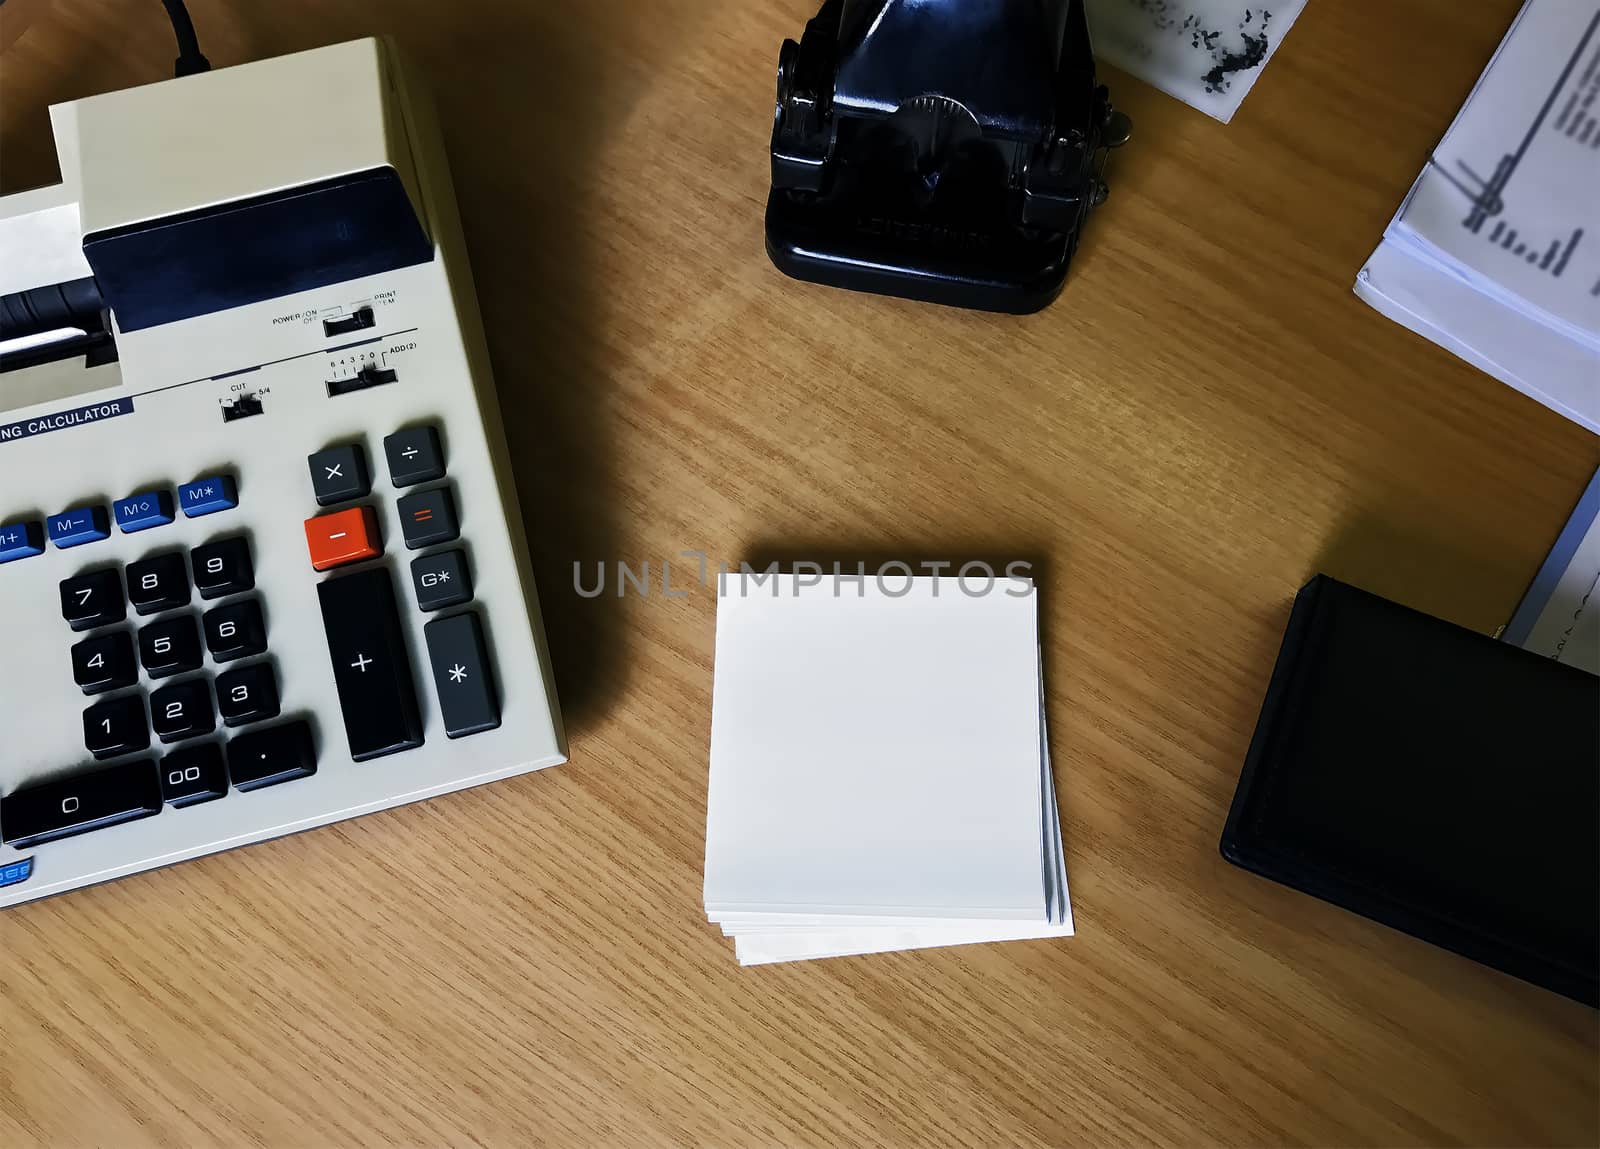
{"x": 261, "y": 561}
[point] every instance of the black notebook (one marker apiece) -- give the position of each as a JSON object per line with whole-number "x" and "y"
{"x": 1433, "y": 779}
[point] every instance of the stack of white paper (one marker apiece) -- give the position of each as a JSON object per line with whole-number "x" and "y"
{"x": 879, "y": 771}
{"x": 1495, "y": 253}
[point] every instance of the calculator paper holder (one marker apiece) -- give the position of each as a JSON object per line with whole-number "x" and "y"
{"x": 233, "y": 186}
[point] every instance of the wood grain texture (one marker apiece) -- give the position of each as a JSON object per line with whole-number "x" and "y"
{"x": 1207, "y": 417}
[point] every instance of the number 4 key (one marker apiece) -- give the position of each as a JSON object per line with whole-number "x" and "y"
{"x": 104, "y": 662}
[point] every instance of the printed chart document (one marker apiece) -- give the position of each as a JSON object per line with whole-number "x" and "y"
{"x": 879, "y": 777}
{"x": 1495, "y": 253}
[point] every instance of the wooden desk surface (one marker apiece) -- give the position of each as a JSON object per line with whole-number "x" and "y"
{"x": 1206, "y": 418}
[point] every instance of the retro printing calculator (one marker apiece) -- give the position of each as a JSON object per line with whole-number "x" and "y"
{"x": 260, "y": 555}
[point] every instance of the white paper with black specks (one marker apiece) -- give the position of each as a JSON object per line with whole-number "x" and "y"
{"x": 1207, "y": 53}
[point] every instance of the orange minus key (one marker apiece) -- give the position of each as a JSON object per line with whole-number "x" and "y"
{"x": 343, "y": 537}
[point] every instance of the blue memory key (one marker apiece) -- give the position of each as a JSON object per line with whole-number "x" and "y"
{"x": 208, "y": 496}
{"x": 78, "y": 526}
{"x": 21, "y": 541}
{"x": 141, "y": 512}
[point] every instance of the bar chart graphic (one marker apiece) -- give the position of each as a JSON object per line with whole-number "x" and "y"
{"x": 1576, "y": 95}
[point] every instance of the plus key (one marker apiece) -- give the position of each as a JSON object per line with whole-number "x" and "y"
{"x": 377, "y": 693}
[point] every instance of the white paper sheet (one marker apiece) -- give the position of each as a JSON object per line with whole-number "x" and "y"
{"x": 880, "y": 774}
{"x": 767, "y": 943}
{"x": 874, "y": 754}
{"x": 1559, "y": 372}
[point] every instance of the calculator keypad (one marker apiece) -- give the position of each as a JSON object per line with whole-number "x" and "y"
{"x": 176, "y": 711}
{"x": 185, "y": 707}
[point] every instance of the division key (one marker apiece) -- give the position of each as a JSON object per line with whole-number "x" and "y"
{"x": 377, "y": 693}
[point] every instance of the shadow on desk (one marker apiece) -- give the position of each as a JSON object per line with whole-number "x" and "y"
{"x": 526, "y": 98}
{"x": 1408, "y": 566}
{"x": 523, "y": 127}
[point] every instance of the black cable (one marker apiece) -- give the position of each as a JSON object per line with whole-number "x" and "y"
{"x": 190, "y": 59}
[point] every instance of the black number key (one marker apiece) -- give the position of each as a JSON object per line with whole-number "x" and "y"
{"x": 104, "y": 662}
{"x": 222, "y": 567}
{"x": 235, "y": 630}
{"x": 194, "y": 774}
{"x": 93, "y": 599}
{"x": 247, "y": 694}
{"x": 169, "y": 646}
{"x": 271, "y": 755}
{"x": 115, "y": 726}
{"x": 377, "y": 693}
{"x": 182, "y": 710}
{"x": 461, "y": 675}
{"x": 79, "y": 803}
{"x": 158, "y": 583}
